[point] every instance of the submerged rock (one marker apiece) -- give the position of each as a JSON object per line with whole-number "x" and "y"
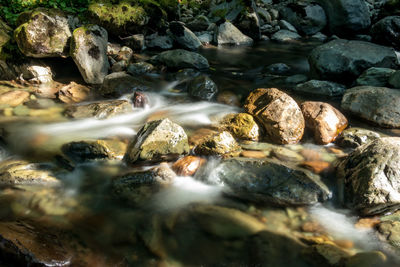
{"x": 325, "y": 121}
{"x": 355, "y": 137}
{"x": 180, "y": 59}
{"x": 203, "y": 88}
{"x": 228, "y": 34}
{"x": 95, "y": 149}
{"x": 43, "y": 33}
{"x": 158, "y": 140}
{"x": 89, "y": 51}
{"x": 343, "y": 61}
{"x": 18, "y": 172}
{"x": 73, "y": 93}
{"x": 279, "y": 114}
{"x": 138, "y": 185}
{"x": 346, "y": 17}
{"x": 378, "y": 105}
{"x": 99, "y": 110}
{"x": 271, "y": 182}
{"x": 219, "y": 144}
{"x": 324, "y": 88}
{"x": 370, "y": 175}
{"x": 242, "y": 126}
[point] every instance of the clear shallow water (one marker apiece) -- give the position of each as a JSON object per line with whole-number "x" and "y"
{"x": 167, "y": 226}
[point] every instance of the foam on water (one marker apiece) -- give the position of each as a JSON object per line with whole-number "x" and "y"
{"x": 341, "y": 225}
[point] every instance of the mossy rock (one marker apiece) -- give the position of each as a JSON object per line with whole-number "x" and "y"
{"x": 4, "y": 35}
{"x": 128, "y": 17}
{"x": 43, "y": 33}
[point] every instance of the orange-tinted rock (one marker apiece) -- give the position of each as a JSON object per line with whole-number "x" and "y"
{"x": 316, "y": 166}
{"x": 14, "y": 98}
{"x": 325, "y": 121}
{"x": 368, "y": 223}
{"x": 73, "y": 93}
{"x": 187, "y": 166}
{"x": 253, "y": 154}
{"x": 278, "y": 113}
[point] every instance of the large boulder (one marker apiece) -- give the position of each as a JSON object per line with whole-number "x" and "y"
{"x": 89, "y": 51}
{"x": 346, "y": 17}
{"x": 343, "y": 60}
{"x": 325, "y": 121}
{"x": 43, "y": 33}
{"x": 387, "y": 31}
{"x": 228, "y": 34}
{"x": 278, "y": 113}
{"x": 269, "y": 181}
{"x": 158, "y": 140}
{"x": 371, "y": 176}
{"x": 308, "y": 18}
{"x": 375, "y": 77}
{"x": 180, "y": 59}
{"x": 183, "y": 36}
{"x": 379, "y": 105}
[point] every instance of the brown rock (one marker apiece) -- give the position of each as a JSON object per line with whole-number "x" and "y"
{"x": 325, "y": 121}
{"x": 253, "y": 154}
{"x": 14, "y": 98}
{"x": 278, "y": 113}
{"x": 187, "y": 166}
{"x": 316, "y": 166}
{"x": 73, "y": 93}
{"x": 222, "y": 144}
{"x": 368, "y": 223}
{"x": 140, "y": 100}
{"x": 242, "y": 126}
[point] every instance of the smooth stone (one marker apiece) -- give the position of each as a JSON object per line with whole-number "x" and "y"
{"x": 202, "y": 88}
{"x": 140, "y": 68}
{"x": 228, "y": 98}
{"x": 14, "y": 98}
{"x": 323, "y": 88}
{"x": 156, "y": 41}
{"x": 378, "y": 105}
{"x": 394, "y": 79}
{"x": 278, "y": 113}
{"x": 386, "y": 31}
{"x": 120, "y": 83}
{"x": 286, "y": 26}
{"x": 73, "y": 93}
{"x": 270, "y": 182}
{"x": 283, "y": 36}
{"x": 325, "y": 121}
{"x": 188, "y": 165}
{"x": 184, "y": 36}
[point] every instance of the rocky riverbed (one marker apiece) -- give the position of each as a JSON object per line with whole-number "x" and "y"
{"x": 216, "y": 133}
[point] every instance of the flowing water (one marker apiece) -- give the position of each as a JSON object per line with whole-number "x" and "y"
{"x": 186, "y": 223}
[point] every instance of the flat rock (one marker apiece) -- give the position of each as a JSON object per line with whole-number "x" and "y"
{"x": 219, "y": 144}
{"x": 180, "y": 59}
{"x": 323, "y": 88}
{"x": 375, "y": 77}
{"x": 378, "y": 105}
{"x": 99, "y": 110}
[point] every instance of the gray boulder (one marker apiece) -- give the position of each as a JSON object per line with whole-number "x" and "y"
{"x": 183, "y": 36}
{"x": 394, "y": 80}
{"x": 387, "y": 31}
{"x": 156, "y": 141}
{"x": 322, "y": 88}
{"x": 89, "y": 51}
{"x": 180, "y": 59}
{"x": 43, "y": 33}
{"x": 346, "y": 17}
{"x": 228, "y": 34}
{"x": 283, "y": 36}
{"x": 343, "y": 60}
{"x": 202, "y": 87}
{"x": 371, "y": 176}
{"x": 308, "y": 18}
{"x": 375, "y": 77}
{"x": 355, "y": 137}
{"x": 379, "y": 105}
{"x": 269, "y": 181}
{"x": 156, "y": 41}
{"x": 119, "y": 83}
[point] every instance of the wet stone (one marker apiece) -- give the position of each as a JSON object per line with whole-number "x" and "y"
{"x": 242, "y": 126}
{"x": 219, "y": 144}
{"x": 188, "y": 165}
{"x": 270, "y": 181}
{"x": 73, "y": 93}
{"x": 99, "y": 110}
{"x": 156, "y": 141}
{"x": 203, "y": 88}
{"x": 355, "y": 137}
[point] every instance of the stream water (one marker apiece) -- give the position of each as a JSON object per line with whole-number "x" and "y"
{"x": 188, "y": 222}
